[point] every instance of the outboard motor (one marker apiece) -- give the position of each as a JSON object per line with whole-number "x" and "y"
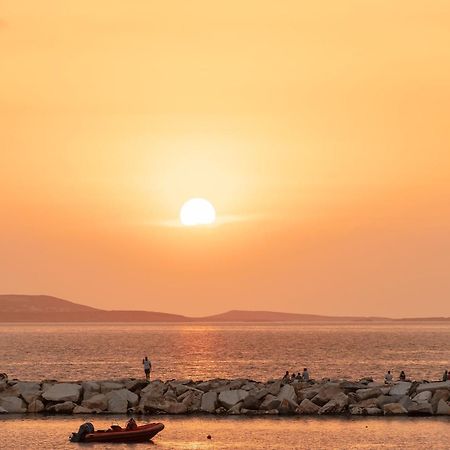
{"x": 84, "y": 429}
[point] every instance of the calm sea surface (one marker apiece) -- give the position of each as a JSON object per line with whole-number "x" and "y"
{"x": 202, "y": 351}
{"x": 260, "y": 351}
{"x": 242, "y": 433}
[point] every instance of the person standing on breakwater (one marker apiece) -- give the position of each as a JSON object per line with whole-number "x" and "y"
{"x": 147, "y": 367}
{"x": 305, "y": 375}
{"x": 445, "y": 376}
{"x": 402, "y": 375}
{"x": 388, "y": 377}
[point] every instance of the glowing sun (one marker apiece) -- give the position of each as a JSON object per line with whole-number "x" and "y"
{"x": 197, "y": 211}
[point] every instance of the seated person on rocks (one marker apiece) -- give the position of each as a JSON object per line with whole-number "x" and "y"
{"x": 445, "y": 376}
{"x": 299, "y": 377}
{"x": 293, "y": 377}
{"x": 305, "y": 374}
{"x": 286, "y": 376}
{"x": 402, "y": 376}
{"x": 388, "y": 377}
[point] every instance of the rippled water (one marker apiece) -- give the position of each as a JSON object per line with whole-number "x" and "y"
{"x": 244, "y": 433}
{"x": 202, "y": 351}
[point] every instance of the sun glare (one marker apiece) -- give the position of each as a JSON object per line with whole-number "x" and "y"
{"x": 197, "y": 211}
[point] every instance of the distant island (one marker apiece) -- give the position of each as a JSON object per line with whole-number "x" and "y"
{"x": 45, "y": 308}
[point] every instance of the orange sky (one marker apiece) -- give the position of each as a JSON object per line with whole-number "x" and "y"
{"x": 319, "y": 130}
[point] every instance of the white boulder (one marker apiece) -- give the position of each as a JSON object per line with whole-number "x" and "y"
{"x": 335, "y": 405}
{"x": 169, "y": 407}
{"x": 63, "y": 408}
{"x": 62, "y": 392}
{"x": 108, "y": 386}
{"x": 400, "y": 388}
{"x": 374, "y": 411}
{"x": 90, "y": 388}
{"x": 274, "y": 388}
{"x": 155, "y": 389}
{"x": 424, "y": 396}
{"x": 131, "y": 398}
{"x": 13, "y": 404}
{"x": 27, "y": 390}
{"x": 209, "y": 402}
{"x": 433, "y": 386}
{"x": 307, "y": 407}
{"x": 308, "y": 393}
{"x": 82, "y": 410}
{"x": 421, "y": 409}
{"x": 270, "y": 402}
{"x": 287, "y": 392}
{"x": 117, "y": 401}
{"x": 443, "y": 408}
{"x": 326, "y": 393}
{"x": 364, "y": 394}
{"x": 394, "y": 409}
{"x": 98, "y": 402}
{"x": 36, "y": 406}
{"x": 175, "y": 408}
{"x": 440, "y": 394}
{"x": 229, "y": 398}
{"x": 236, "y": 409}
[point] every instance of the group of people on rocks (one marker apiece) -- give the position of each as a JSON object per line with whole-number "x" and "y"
{"x": 388, "y": 378}
{"x": 300, "y": 376}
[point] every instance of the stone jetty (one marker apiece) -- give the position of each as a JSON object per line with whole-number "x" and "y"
{"x": 232, "y": 397}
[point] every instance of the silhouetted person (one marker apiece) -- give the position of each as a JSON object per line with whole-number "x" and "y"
{"x": 131, "y": 425}
{"x": 305, "y": 375}
{"x": 388, "y": 377}
{"x": 299, "y": 377}
{"x": 147, "y": 367}
{"x": 402, "y": 375}
{"x": 445, "y": 376}
{"x": 286, "y": 376}
{"x": 293, "y": 376}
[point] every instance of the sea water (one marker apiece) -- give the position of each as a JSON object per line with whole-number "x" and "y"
{"x": 241, "y": 433}
{"x": 203, "y": 351}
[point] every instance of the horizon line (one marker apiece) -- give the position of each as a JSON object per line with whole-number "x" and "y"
{"x": 227, "y": 312}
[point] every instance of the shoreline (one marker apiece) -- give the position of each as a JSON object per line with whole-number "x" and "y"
{"x": 218, "y": 397}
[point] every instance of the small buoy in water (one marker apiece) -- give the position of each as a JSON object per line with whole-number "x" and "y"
{"x": 208, "y": 437}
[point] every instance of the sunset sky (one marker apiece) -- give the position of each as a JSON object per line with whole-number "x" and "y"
{"x": 320, "y": 132}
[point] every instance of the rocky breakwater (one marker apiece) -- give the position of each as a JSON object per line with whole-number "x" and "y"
{"x": 234, "y": 397}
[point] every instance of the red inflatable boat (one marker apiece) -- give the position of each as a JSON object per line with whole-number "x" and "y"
{"x": 142, "y": 433}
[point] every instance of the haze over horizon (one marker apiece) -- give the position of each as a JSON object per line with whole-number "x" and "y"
{"x": 319, "y": 132}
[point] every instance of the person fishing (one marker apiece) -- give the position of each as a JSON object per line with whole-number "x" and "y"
{"x": 147, "y": 367}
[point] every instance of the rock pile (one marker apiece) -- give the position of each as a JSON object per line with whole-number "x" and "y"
{"x": 218, "y": 396}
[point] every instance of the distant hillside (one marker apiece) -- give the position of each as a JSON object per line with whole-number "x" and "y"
{"x": 39, "y": 304}
{"x": 270, "y": 316}
{"x": 44, "y": 308}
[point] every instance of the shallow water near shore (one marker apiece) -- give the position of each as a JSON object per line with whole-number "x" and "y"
{"x": 241, "y": 433}
{"x": 204, "y": 351}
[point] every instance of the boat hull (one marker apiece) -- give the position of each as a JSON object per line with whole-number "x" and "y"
{"x": 142, "y": 433}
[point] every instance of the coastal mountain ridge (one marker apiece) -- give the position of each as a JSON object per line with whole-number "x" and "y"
{"x": 45, "y": 308}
